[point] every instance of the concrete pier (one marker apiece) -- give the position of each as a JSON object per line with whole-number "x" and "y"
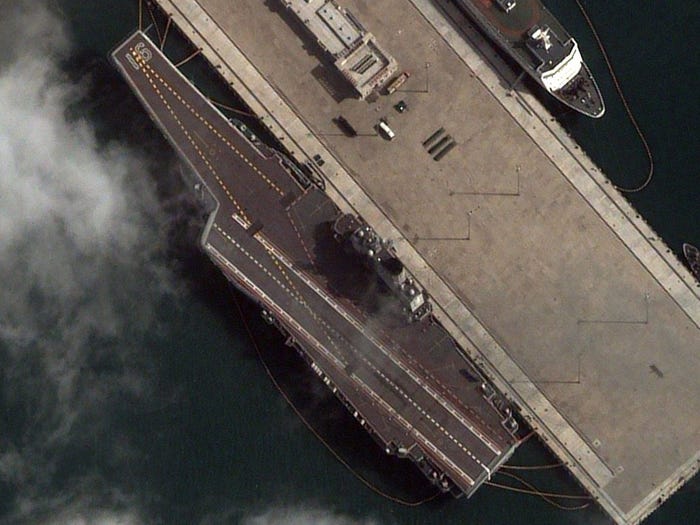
{"x": 549, "y": 279}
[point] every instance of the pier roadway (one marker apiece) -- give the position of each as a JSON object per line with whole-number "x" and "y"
{"x": 540, "y": 270}
{"x": 273, "y": 239}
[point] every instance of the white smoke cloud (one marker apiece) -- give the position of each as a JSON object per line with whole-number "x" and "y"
{"x": 82, "y": 511}
{"x": 68, "y": 206}
{"x": 92, "y": 517}
{"x": 303, "y": 516}
{"x": 80, "y": 248}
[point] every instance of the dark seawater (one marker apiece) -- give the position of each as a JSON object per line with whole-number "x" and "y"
{"x": 214, "y": 442}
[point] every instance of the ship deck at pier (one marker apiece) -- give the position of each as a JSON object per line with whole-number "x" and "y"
{"x": 558, "y": 65}
{"x": 539, "y": 269}
{"x": 273, "y": 238}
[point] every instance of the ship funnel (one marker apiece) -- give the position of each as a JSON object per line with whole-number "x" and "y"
{"x": 392, "y": 271}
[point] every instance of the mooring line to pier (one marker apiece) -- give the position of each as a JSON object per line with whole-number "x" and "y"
{"x": 633, "y": 120}
{"x": 230, "y": 108}
{"x": 550, "y": 494}
{"x": 153, "y": 18}
{"x": 165, "y": 33}
{"x": 140, "y": 15}
{"x": 532, "y": 467}
{"x": 357, "y": 475}
{"x": 189, "y": 57}
{"x": 534, "y": 491}
{"x": 526, "y": 437}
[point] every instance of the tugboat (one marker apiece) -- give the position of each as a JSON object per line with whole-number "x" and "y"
{"x": 529, "y": 33}
{"x": 692, "y": 255}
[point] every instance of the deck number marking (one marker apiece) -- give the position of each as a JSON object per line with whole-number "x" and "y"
{"x": 143, "y": 52}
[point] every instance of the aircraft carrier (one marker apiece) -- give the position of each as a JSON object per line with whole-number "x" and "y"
{"x": 331, "y": 284}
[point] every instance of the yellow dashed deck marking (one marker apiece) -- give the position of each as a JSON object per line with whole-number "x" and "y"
{"x": 189, "y": 137}
{"x": 290, "y": 288}
{"x": 215, "y": 131}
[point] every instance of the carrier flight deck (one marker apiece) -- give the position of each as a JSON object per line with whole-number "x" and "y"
{"x": 281, "y": 240}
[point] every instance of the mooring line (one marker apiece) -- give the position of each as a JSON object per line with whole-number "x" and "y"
{"x": 153, "y": 18}
{"x": 189, "y": 57}
{"x": 230, "y": 108}
{"x": 165, "y": 33}
{"x": 532, "y": 467}
{"x": 140, "y": 15}
{"x": 534, "y": 491}
{"x": 633, "y": 120}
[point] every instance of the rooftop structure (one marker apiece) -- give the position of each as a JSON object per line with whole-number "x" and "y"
{"x": 355, "y": 52}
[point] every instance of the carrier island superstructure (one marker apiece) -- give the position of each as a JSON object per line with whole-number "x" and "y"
{"x": 332, "y": 285}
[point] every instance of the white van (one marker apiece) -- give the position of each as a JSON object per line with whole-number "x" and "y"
{"x": 384, "y": 129}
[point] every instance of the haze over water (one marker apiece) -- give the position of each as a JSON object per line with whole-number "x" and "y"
{"x": 130, "y": 392}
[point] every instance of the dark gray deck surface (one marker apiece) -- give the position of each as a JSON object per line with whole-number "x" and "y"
{"x": 274, "y": 240}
